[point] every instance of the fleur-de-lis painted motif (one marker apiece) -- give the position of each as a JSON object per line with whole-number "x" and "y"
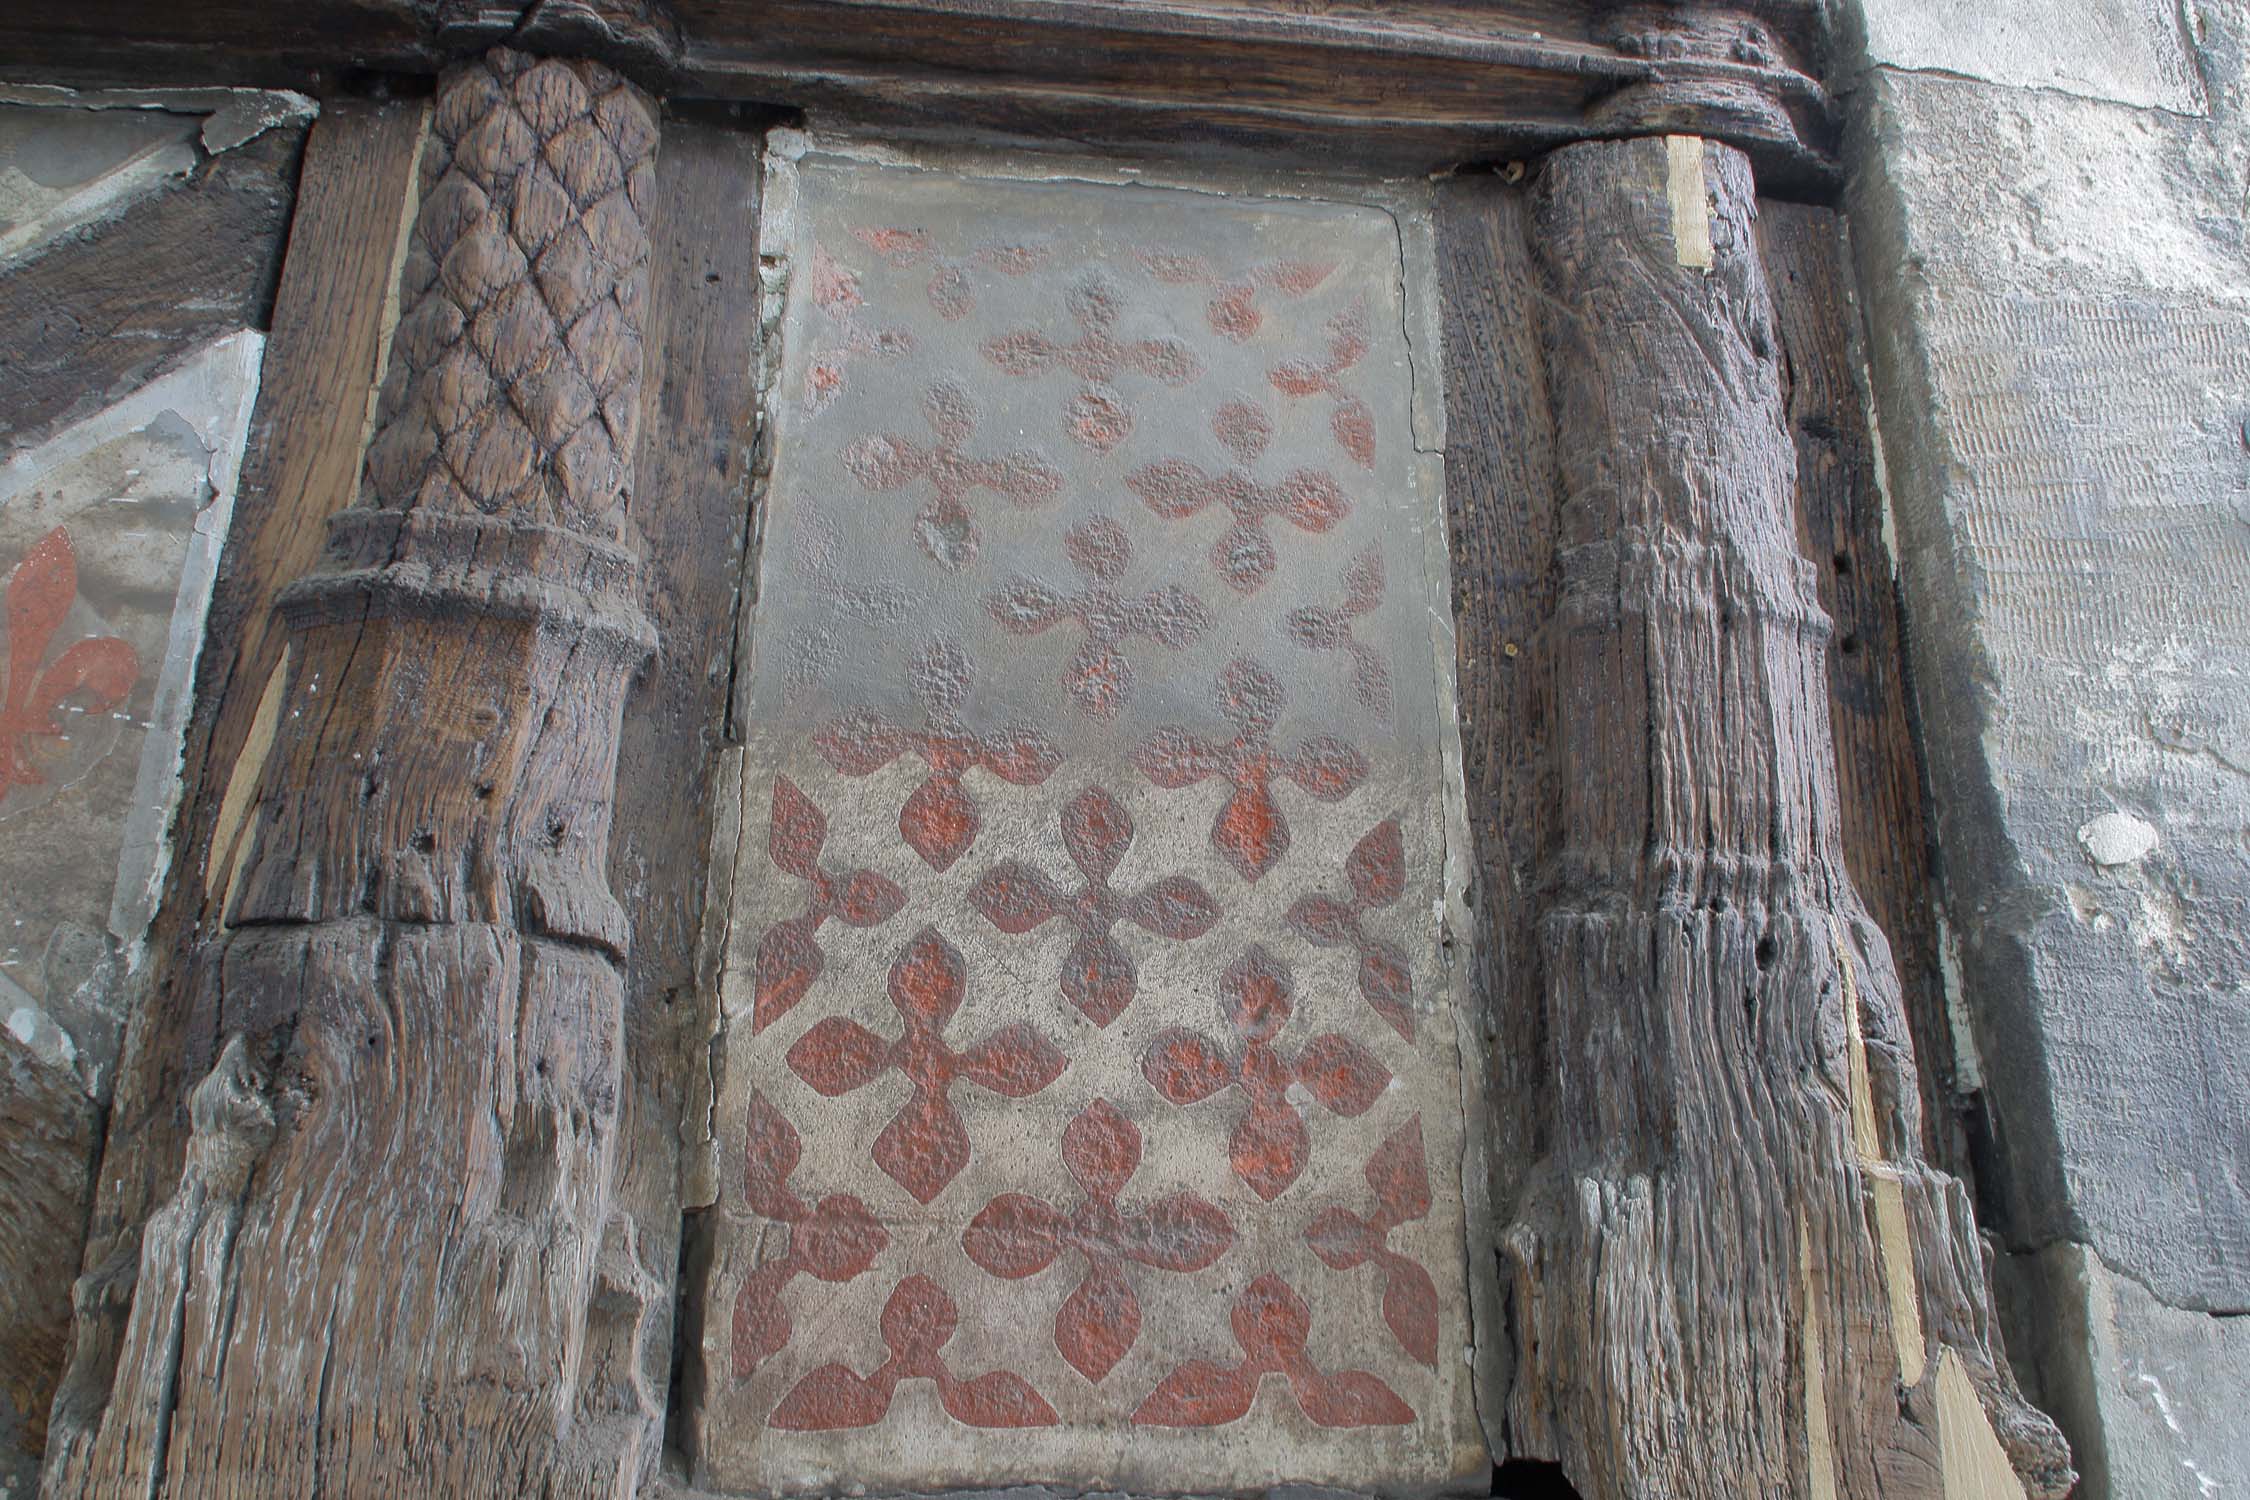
{"x": 103, "y": 668}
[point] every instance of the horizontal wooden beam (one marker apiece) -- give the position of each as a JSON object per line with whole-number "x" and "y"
{"x": 1410, "y": 86}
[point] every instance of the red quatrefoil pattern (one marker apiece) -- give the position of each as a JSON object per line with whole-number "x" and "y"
{"x": 1092, "y": 1095}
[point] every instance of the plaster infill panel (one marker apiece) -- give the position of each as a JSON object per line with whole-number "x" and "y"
{"x": 1091, "y": 1109}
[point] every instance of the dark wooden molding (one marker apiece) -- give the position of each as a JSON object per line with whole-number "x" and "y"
{"x": 1407, "y": 87}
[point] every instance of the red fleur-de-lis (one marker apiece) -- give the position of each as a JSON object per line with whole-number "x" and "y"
{"x": 1233, "y": 309}
{"x": 1176, "y": 489}
{"x": 788, "y": 960}
{"x": 1099, "y": 679}
{"x": 940, "y": 819}
{"x": 1098, "y": 976}
{"x": 103, "y": 668}
{"x": 1016, "y": 1235}
{"x": 1376, "y": 873}
{"x": 834, "y": 1240}
{"x": 1249, "y": 829}
{"x": 1270, "y": 1142}
{"x": 1097, "y": 417}
{"x": 944, "y": 527}
{"x": 918, "y": 1321}
{"x": 1399, "y": 1176}
{"x": 1319, "y": 627}
{"x": 925, "y": 1145}
{"x": 948, "y": 290}
{"x": 1351, "y": 421}
{"x": 1272, "y": 1324}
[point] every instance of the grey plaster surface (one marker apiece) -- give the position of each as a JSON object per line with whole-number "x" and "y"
{"x": 2058, "y": 293}
{"x": 1098, "y": 556}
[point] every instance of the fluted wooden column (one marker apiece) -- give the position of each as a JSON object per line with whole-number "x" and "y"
{"x": 1731, "y": 1275}
{"x": 375, "y": 1273}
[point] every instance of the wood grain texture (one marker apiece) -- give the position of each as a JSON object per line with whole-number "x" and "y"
{"x": 50, "y": 1133}
{"x": 302, "y": 464}
{"x": 1410, "y": 86}
{"x": 1840, "y": 519}
{"x": 694, "y": 468}
{"x": 97, "y": 314}
{"x": 376, "y": 1270}
{"x": 1730, "y": 1269}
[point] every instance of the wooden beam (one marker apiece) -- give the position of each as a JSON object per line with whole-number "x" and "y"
{"x": 1407, "y": 87}
{"x": 1731, "y": 1269}
{"x": 397, "y": 1205}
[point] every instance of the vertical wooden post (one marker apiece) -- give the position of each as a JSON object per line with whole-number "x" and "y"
{"x": 374, "y": 1275}
{"x": 1732, "y": 1269}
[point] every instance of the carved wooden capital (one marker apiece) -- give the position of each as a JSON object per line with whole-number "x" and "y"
{"x": 1726, "y": 72}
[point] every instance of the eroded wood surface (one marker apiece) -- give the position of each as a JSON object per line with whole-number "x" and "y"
{"x": 1728, "y": 1259}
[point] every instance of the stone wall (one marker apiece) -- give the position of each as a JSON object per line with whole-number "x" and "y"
{"x": 2048, "y": 207}
{"x": 138, "y": 239}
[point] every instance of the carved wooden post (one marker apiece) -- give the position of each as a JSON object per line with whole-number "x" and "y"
{"x": 375, "y": 1273}
{"x": 1732, "y": 1265}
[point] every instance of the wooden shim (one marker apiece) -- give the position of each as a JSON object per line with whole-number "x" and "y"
{"x": 1878, "y": 749}
{"x": 97, "y": 314}
{"x": 1734, "y": 1174}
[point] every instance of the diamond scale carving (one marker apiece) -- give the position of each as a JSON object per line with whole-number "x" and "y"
{"x": 1175, "y": 489}
{"x": 1249, "y": 828}
{"x": 925, "y": 1145}
{"x": 1098, "y": 976}
{"x": 940, "y": 818}
{"x": 1016, "y": 1235}
{"x": 1399, "y": 1176}
{"x": 788, "y": 959}
{"x": 918, "y": 1322}
{"x": 1271, "y": 1323}
{"x": 835, "y": 1239}
{"x": 1097, "y": 418}
{"x": 1270, "y": 1143}
{"x": 1375, "y": 873}
{"x": 944, "y": 528}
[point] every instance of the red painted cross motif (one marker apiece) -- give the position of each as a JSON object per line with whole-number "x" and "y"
{"x": 1249, "y": 829}
{"x": 918, "y": 1322}
{"x": 1097, "y": 417}
{"x": 1271, "y": 1323}
{"x": 944, "y": 528}
{"x": 788, "y": 959}
{"x": 1399, "y": 1176}
{"x": 1351, "y": 421}
{"x": 838, "y": 599}
{"x": 1319, "y": 627}
{"x": 1099, "y": 679}
{"x": 1376, "y": 872}
{"x": 940, "y": 819}
{"x": 1098, "y": 976}
{"x": 835, "y": 1239}
{"x": 1270, "y": 1143}
{"x": 835, "y": 291}
{"x": 103, "y": 668}
{"x": 1176, "y": 489}
{"x": 1233, "y": 309}
{"x": 925, "y": 1145}
{"x": 1016, "y": 1236}
{"x": 948, "y": 290}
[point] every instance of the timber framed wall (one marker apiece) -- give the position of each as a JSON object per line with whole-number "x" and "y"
{"x": 405, "y": 1166}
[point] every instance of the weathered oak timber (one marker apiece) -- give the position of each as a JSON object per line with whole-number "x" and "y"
{"x": 375, "y": 1273}
{"x": 1730, "y": 1273}
{"x": 1840, "y": 519}
{"x": 98, "y": 314}
{"x": 1410, "y": 86}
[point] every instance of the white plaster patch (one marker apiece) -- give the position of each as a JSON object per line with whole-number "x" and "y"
{"x": 2116, "y": 838}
